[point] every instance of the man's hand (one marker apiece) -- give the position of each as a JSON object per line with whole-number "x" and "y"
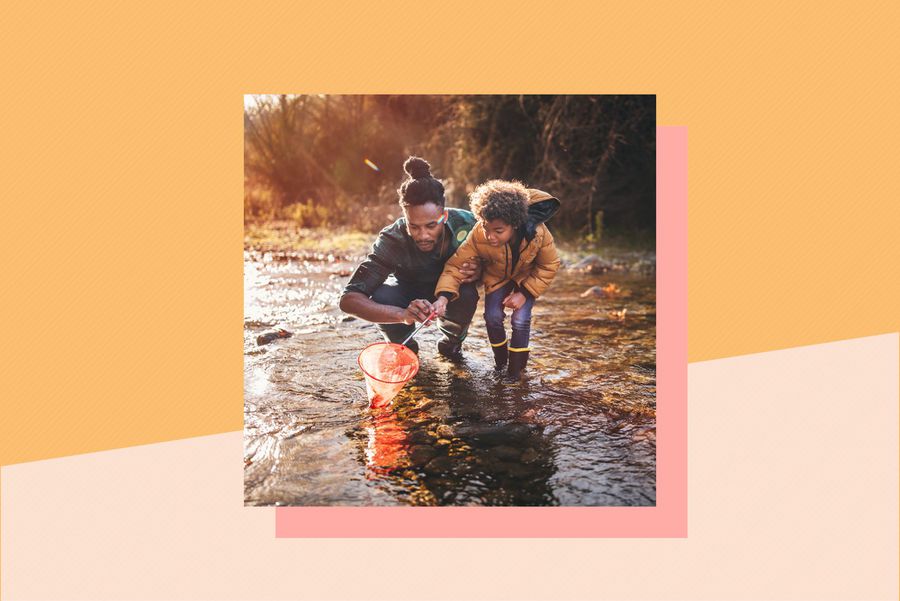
{"x": 440, "y": 306}
{"x": 418, "y": 310}
{"x": 471, "y": 271}
{"x": 514, "y": 300}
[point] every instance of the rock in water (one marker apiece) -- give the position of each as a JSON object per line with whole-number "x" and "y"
{"x": 592, "y": 264}
{"x": 439, "y": 465}
{"x": 506, "y": 453}
{"x": 497, "y": 434}
{"x": 419, "y": 455}
{"x": 270, "y": 335}
{"x": 444, "y": 431}
{"x": 530, "y": 456}
{"x": 611, "y": 290}
{"x": 595, "y": 291}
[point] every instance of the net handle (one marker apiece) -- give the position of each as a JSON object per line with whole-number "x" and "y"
{"x": 423, "y": 324}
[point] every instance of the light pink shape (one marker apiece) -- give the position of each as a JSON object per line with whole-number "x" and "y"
{"x": 667, "y": 519}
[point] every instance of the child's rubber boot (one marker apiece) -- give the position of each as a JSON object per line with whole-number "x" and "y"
{"x": 501, "y": 354}
{"x": 518, "y": 358}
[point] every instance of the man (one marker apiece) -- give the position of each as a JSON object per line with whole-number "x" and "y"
{"x": 414, "y": 249}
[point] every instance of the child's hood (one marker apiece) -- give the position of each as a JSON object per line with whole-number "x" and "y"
{"x": 541, "y": 207}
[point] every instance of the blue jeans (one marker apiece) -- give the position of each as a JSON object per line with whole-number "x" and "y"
{"x": 455, "y": 323}
{"x": 520, "y": 321}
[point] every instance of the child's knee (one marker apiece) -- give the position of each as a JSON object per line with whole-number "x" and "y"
{"x": 493, "y": 318}
{"x": 521, "y": 324}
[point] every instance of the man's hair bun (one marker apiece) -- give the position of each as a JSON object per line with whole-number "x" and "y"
{"x": 420, "y": 187}
{"x": 417, "y": 168}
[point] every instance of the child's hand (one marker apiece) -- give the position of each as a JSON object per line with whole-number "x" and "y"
{"x": 440, "y": 306}
{"x": 514, "y": 300}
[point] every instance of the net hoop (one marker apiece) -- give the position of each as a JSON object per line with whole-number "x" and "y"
{"x": 368, "y": 375}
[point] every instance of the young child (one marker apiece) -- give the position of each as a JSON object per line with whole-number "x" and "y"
{"x": 519, "y": 258}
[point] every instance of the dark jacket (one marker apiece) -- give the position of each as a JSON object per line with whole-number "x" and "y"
{"x": 395, "y": 252}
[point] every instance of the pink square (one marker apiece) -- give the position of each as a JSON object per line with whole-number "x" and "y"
{"x": 667, "y": 519}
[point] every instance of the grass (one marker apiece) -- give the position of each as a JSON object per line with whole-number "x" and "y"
{"x": 286, "y": 236}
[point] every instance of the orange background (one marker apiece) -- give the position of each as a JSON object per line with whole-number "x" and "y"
{"x": 122, "y": 175}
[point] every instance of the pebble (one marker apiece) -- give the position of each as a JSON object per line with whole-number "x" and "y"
{"x": 444, "y": 431}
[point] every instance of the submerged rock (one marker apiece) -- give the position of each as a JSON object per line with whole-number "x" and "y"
{"x": 530, "y": 455}
{"x": 496, "y": 434}
{"x": 439, "y": 465}
{"x": 420, "y": 437}
{"x": 419, "y": 455}
{"x": 513, "y": 469}
{"x": 272, "y": 335}
{"x": 506, "y": 453}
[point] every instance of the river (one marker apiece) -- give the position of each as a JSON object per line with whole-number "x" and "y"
{"x": 579, "y": 430}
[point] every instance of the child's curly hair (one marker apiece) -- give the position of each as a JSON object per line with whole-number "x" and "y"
{"x": 500, "y": 199}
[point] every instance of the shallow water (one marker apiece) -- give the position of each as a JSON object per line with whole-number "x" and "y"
{"x": 579, "y": 430}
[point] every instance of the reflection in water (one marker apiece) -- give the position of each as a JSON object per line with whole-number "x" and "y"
{"x": 386, "y": 449}
{"x": 427, "y": 453}
{"x": 580, "y": 430}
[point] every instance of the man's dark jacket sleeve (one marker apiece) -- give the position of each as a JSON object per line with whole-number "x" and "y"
{"x": 375, "y": 269}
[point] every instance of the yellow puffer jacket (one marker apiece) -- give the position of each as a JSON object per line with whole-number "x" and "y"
{"x": 538, "y": 260}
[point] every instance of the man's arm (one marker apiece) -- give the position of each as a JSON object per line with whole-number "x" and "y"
{"x": 367, "y": 278}
{"x": 452, "y": 276}
{"x": 360, "y": 305}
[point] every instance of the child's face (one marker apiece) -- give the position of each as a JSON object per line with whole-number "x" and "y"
{"x": 498, "y": 232}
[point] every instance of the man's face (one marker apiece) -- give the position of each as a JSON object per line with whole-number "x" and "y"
{"x": 424, "y": 225}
